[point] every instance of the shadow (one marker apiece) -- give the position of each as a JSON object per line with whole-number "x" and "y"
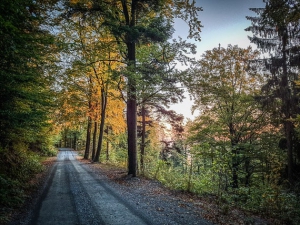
{"x": 65, "y": 149}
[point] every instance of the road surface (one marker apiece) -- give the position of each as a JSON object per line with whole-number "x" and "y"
{"x": 74, "y": 195}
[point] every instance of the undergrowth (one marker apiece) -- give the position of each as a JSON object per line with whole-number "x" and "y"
{"x": 268, "y": 200}
{"x": 18, "y": 165}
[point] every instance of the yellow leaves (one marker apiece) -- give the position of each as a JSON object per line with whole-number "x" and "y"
{"x": 74, "y": 2}
{"x": 89, "y": 5}
{"x": 115, "y": 115}
{"x": 102, "y": 81}
{"x": 297, "y": 82}
{"x": 86, "y": 3}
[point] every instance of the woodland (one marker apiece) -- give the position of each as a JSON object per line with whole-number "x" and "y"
{"x": 99, "y": 76}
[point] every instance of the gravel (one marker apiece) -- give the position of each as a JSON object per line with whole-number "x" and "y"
{"x": 103, "y": 194}
{"x": 146, "y": 199}
{"x": 129, "y": 200}
{"x": 149, "y": 197}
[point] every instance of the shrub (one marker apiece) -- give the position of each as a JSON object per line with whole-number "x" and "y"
{"x": 11, "y": 193}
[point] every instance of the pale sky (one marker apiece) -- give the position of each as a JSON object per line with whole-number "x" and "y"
{"x": 224, "y": 22}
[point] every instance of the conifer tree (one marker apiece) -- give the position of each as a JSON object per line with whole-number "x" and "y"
{"x": 25, "y": 95}
{"x": 24, "y": 90}
{"x": 276, "y": 31}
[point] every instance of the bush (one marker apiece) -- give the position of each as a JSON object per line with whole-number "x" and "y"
{"x": 17, "y": 166}
{"x": 11, "y": 196}
{"x": 49, "y": 151}
{"x": 18, "y": 163}
{"x": 11, "y": 193}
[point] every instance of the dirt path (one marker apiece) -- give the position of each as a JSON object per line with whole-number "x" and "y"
{"x": 77, "y": 194}
{"x": 74, "y": 195}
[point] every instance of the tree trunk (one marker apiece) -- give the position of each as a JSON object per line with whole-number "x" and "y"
{"x": 143, "y": 138}
{"x": 107, "y": 143}
{"x": 94, "y": 139}
{"x": 235, "y": 164}
{"x": 234, "y": 152}
{"x": 248, "y": 172}
{"x": 66, "y": 138}
{"x": 102, "y": 121}
{"x": 288, "y": 127}
{"x": 75, "y": 141}
{"x": 132, "y": 136}
{"x": 286, "y": 107}
{"x": 88, "y": 139}
{"x": 130, "y": 17}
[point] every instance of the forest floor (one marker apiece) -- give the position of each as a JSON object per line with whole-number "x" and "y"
{"x": 153, "y": 198}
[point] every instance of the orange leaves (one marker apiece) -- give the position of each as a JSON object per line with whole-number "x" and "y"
{"x": 88, "y": 4}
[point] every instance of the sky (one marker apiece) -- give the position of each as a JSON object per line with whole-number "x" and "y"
{"x": 224, "y": 22}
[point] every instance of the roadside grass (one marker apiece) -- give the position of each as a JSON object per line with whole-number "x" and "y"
{"x": 218, "y": 210}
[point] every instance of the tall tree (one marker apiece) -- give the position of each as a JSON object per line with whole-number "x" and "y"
{"x": 224, "y": 85}
{"x": 26, "y": 99}
{"x": 133, "y": 22}
{"x": 158, "y": 85}
{"x": 25, "y": 88}
{"x": 276, "y": 30}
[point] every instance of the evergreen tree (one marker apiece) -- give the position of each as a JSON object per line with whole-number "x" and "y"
{"x": 276, "y": 31}
{"x": 24, "y": 90}
{"x": 25, "y": 95}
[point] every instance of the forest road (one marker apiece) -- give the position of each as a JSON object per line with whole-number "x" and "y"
{"x": 74, "y": 195}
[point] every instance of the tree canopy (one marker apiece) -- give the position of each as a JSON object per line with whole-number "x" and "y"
{"x": 99, "y": 76}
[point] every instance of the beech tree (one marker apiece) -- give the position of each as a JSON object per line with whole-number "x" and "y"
{"x": 224, "y": 86}
{"x": 93, "y": 56}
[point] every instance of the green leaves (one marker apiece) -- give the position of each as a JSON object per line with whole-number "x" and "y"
{"x": 223, "y": 86}
{"x": 26, "y": 98}
{"x": 24, "y": 90}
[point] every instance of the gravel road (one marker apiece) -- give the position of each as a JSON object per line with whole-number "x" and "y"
{"x": 75, "y": 194}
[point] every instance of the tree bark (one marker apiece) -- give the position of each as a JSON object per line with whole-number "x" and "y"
{"x": 286, "y": 107}
{"x": 132, "y": 135}
{"x": 107, "y": 143}
{"x": 94, "y": 139}
{"x": 102, "y": 122}
{"x": 88, "y": 138}
{"x": 143, "y": 138}
{"x": 131, "y": 101}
